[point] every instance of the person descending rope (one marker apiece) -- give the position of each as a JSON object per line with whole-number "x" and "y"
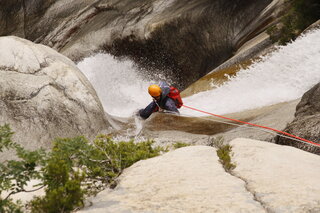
{"x": 165, "y": 98}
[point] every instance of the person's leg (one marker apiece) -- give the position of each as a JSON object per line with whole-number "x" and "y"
{"x": 145, "y": 113}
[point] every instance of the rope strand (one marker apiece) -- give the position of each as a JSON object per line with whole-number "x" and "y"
{"x": 283, "y": 134}
{"x": 250, "y": 127}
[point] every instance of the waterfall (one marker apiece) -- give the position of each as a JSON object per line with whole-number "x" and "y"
{"x": 283, "y": 75}
{"x": 120, "y": 87}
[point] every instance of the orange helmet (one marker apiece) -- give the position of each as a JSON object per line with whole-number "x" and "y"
{"x": 154, "y": 90}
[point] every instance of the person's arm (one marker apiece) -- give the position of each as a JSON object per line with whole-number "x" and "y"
{"x": 165, "y": 88}
{"x": 171, "y": 106}
{"x": 145, "y": 113}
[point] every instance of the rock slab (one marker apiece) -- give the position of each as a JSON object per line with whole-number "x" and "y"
{"x": 282, "y": 178}
{"x": 267, "y": 178}
{"x": 44, "y": 95}
{"x": 189, "y": 179}
{"x": 306, "y": 123}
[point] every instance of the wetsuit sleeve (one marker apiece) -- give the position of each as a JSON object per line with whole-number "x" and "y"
{"x": 145, "y": 113}
{"x": 165, "y": 88}
{"x": 170, "y": 106}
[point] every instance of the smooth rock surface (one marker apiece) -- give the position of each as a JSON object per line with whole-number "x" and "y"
{"x": 189, "y": 179}
{"x": 283, "y": 179}
{"x": 267, "y": 178}
{"x": 275, "y": 116}
{"x": 43, "y": 95}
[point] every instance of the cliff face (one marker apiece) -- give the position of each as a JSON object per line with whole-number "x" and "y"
{"x": 19, "y": 17}
{"x": 185, "y": 39}
{"x": 191, "y": 38}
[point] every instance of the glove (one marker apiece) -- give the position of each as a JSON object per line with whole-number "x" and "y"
{"x": 138, "y": 114}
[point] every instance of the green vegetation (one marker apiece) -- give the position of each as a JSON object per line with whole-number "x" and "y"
{"x": 14, "y": 175}
{"x": 71, "y": 171}
{"x": 224, "y": 153}
{"x": 179, "y": 145}
{"x": 302, "y": 13}
{"x": 225, "y": 159}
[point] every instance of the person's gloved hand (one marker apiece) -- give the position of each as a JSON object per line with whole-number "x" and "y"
{"x": 138, "y": 114}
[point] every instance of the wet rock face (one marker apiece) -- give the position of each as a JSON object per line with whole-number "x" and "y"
{"x": 306, "y": 123}
{"x": 18, "y": 17}
{"x": 184, "y": 39}
{"x": 11, "y": 18}
{"x": 43, "y": 95}
{"x": 191, "y": 37}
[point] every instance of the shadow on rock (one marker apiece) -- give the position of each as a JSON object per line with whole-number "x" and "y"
{"x": 195, "y": 125}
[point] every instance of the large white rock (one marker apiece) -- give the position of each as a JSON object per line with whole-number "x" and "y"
{"x": 283, "y": 178}
{"x": 267, "y": 178}
{"x": 43, "y": 95}
{"x": 188, "y": 179}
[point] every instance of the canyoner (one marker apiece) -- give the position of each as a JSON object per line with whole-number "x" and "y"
{"x": 165, "y": 99}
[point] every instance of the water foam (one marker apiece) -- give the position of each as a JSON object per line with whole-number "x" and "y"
{"x": 281, "y": 76}
{"x": 120, "y": 87}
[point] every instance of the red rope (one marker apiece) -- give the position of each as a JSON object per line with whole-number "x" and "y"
{"x": 264, "y": 127}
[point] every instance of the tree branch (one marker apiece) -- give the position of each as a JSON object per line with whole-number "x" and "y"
{"x": 23, "y": 190}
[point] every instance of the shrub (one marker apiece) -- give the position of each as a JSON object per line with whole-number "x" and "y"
{"x": 72, "y": 170}
{"x": 224, "y": 153}
{"x": 77, "y": 168}
{"x": 7, "y": 205}
{"x": 180, "y": 144}
{"x": 63, "y": 194}
{"x": 225, "y": 158}
{"x": 15, "y": 174}
{"x": 123, "y": 154}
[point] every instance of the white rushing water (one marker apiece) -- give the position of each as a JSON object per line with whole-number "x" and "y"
{"x": 119, "y": 86}
{"x": 284, "y": 75}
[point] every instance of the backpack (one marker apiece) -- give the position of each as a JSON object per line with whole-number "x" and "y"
{"x": 174, "y": 94}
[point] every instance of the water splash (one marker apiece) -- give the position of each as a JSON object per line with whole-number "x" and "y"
{"x": 281, "y": 76}
{"x": 120, "y": 87}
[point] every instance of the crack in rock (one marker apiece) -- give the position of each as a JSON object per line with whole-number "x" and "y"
{"x": 251, "y": 191}
{"x": 10, "y": 69}
{"x": 13, "y": 69}
{"x": 12, "y": 97}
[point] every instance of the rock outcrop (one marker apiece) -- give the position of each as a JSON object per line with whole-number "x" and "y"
{"x": 167, "y": 129}
{"x": 306, "y": 123}
{"x": 267, "y": 178}
{"x": 44, "y": 95}
{"x": 155, "y": 33}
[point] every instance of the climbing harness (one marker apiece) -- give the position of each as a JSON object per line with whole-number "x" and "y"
{"x": 259, "y": 127}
